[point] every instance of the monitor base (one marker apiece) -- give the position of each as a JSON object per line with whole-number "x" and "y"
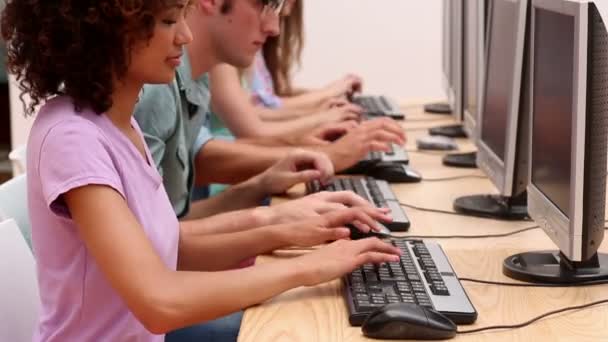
{"x": 554, "y": 268}
{"x": 438, "y": 108}
{"x": 494, "y": 206}
{"x": 463, "y": 160}
{"x": 450, "y": 131}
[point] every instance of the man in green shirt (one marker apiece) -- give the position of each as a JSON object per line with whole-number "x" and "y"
{"x": 175, "y": 124}
{"x": 173, "y": 119}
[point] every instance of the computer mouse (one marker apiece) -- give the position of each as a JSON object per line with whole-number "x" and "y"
{"x": 394, "y": 173}
{"x": 356, "y": 234}
{"x": 408, "y": 321}
{"x": 436, "y": 143}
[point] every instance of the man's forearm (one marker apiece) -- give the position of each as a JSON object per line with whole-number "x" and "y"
{"x": 276, "y": 141}
{"x": 216, "y": 252}
{"x": 283, "y": 114}
{"x": 245, "y": 195}
{"x": 233, "y": 162}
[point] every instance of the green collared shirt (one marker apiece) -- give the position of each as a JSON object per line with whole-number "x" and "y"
{"x": 173, "y": 118}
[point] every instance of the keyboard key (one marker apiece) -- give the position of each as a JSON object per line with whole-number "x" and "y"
{"x": 440, "y": 291}
{"x": 363, "y": 303}
{"x": 362, "y": 296}
{"x": 372, "y": 287}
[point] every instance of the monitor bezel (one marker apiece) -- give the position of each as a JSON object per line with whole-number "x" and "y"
{"x": 454, "y": 86}
{"x": 447, "y": 53}
{"x": 502, "y": 173}
{"x": 566, "y": 232}
{"x": 470, "y": 119}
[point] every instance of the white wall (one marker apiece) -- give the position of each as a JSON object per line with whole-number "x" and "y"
{"x": 20, "y": 125}
{"x": 394, "y": 44}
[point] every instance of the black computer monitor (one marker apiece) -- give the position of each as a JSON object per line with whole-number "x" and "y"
{"x": 474, "y": 14}
{"x": 451, "y": 60}
{"x": 569, "y": 137}
{"x": 455, "y": 87}
{"x": 473, "y": 62}
{"x": 502, "y": 145}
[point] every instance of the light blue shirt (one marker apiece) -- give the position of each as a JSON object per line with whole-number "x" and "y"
{"x": 173, "y": 118}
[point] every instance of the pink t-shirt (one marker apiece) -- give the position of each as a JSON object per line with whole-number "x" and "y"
{"x": 67, "y": 150}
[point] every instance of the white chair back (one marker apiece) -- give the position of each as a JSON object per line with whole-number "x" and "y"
{"x": 18, "y": 159}
{"x": 13, "y": 204}
{"x": 19, "y": 297}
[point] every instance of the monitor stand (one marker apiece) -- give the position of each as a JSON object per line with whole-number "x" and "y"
{"x": 463, "y": 160}
{"x": 553, "y": 267}
{"x": 494, "y": 206}
{"x": 438, "y": 108}
{"x": 450, "y": 131}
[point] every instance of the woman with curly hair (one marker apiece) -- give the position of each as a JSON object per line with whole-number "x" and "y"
{"x": 113, "y": 262}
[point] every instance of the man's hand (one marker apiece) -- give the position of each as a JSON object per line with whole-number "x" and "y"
{"x": 372, "y": 135}
{"x": 321, "y": 203}
{"x": 342, "y": 257}
{"x": 331, "y": 226}
{"x": 333, "y": 102}
{"x": 342, "y": 113}
{"x": 327, "y": 133}
{"x": 345, "y": 86}
{"x": 299, "y": 166}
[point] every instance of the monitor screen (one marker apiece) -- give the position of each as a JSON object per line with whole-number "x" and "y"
{"x": 553, "y": 102}
{"x": 471, "y": 60}
{"x": 500, "y": 75}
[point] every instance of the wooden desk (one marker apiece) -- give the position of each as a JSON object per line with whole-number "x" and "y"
{"x": 319, "y": 313}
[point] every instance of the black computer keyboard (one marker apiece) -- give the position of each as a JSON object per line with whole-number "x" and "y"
{"x": 375, "y": 191}
{"x": 423, "y": 276}
{"x": 375, "y": 106}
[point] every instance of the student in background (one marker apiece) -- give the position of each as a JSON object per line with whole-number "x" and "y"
{"x": 174, "y": 121}
{"x": 246, "y": 101}
{"x": 113, "y": 261}
{"x": 269, "y": 78}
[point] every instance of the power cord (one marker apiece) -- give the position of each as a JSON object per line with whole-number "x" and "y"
{"x": 437, "y": 211}
{"x": 443, "y": 179}
{"x": 438, "y": 153}
{"x": 487, "y": 236}
{"x": 425, "y": 119}
{"x": 448, "y": 212}
{"x": 535, "y": 319}
{"x": 499, "y": 283}
{"x": 417, "y": 129}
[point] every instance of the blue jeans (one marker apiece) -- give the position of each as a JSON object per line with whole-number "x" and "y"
{"x": 225, "y": 329}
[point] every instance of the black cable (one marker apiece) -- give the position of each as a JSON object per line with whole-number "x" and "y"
{"x": 454, "y": 213}
{"x": 524, "y": 324}
{"x": 438, "y": 153}
{"x": 486, "y": 236}
{"x": 443, "y": 179}
{"x": 499, "y": 283}
{"x": 417, "y": 129}
{"x": 425, "y": 119}
{"x": 437, "y": 211}
{"x": 447, "y": 212}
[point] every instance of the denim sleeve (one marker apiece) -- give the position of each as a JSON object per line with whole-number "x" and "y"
{"x": 156, "y": 113}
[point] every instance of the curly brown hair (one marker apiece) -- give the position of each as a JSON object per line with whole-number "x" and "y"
{"x": 75, "y": 47}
